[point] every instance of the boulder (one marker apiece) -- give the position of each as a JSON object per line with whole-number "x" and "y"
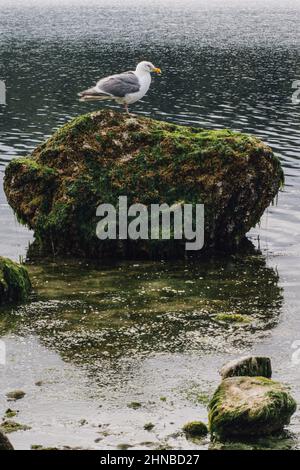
{"x": 249, "y": 406}
{"x": 250, "y": 366}
{"x": 4, "y": 442}
{"x": 15, "y": 285}
{"x": 98, "y": 157}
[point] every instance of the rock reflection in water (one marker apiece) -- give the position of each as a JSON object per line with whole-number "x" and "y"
{"x": 97, "y": 317}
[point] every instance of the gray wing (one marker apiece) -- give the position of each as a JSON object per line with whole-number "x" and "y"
{"x": 119, "y": 85}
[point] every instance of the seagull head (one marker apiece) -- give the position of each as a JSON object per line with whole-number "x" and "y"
{"x": 147, "y": 67}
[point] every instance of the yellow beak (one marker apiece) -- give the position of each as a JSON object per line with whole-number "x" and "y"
{"x": 157, "y": 70}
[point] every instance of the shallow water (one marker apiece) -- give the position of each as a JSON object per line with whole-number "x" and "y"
{"x": 100, "y": 338}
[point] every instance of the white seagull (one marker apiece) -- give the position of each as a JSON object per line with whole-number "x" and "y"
{"x": 124, "y": 88}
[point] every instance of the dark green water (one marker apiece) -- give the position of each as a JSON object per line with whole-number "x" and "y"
{"x": 99, "y": 338}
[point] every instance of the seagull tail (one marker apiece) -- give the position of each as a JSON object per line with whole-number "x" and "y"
{"x": 93, "y": 94}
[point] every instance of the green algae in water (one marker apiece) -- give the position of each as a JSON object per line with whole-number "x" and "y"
{"x": 134, "y": 405}
{"x": 9, "y": 426}
{"x": 95, "y": 316}
{"x": 233, "y": 318}
{"x": 108, "y": 319}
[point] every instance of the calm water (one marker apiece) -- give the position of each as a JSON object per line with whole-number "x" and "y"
{"x": 150, "y": 332}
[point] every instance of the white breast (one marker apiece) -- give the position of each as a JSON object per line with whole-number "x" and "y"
{"x": 145, "y": 81}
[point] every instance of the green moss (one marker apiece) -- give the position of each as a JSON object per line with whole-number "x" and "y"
{"x": 233, "y": 318}
{"x": 10, "y": 426}
{"x": 10, "y": 413}
{"x": 40, "y": 447}
{"x": 195, "y": 429}
{"x": 246, "y": 406}
{"x": 135, "y": 405}
{"x": 203, "y": 398}
{"x": 97, "y": 157}
{"x": 15, "y": 285}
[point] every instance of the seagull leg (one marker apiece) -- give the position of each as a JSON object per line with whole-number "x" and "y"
{"x": 127, "y": 111}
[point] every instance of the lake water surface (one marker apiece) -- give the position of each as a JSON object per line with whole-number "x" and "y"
{"x": 96, "y": 339}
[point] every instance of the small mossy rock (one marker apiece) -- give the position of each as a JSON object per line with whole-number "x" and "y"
{"x": 4, "y": 442}
{"x": 249, "y": 406}
{"x": 195, "y": 429}
{"x": 96, "y": 158}
{"x": 15, "y": 395}
{"x": 251, "y": 366}
{"x": 15, "y": 285}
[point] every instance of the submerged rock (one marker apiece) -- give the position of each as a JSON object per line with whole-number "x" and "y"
{"x": 15, "y": 395}
{"x": 250, "y": 366}
{"x": 149, "y": 426}
{"x": 249, "y": 406}
{"x": 15, "y": 284}
{"x": 195, "y": 429}
{"x": 98, "y": 157}
{"x": 4, "y": 442}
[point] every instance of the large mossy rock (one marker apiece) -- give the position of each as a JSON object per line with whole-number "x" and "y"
{"x": 249, "y": 406}
{"x": 15, "y": 285}
{"x": 98, "y": 157}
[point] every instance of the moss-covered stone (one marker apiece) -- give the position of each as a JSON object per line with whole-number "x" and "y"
{"x": 97, "y": 157}
{"x": 195, "y": 429}
{"x": 4, "y": 442}
{"x": 15, "y": 284}
{"x": 249, "y": 406}
{"x": 10, "y": 413}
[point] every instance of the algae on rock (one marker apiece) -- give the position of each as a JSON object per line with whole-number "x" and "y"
{"x": 195, "y": 429}
{"x": 15, "y": 285}
{"x": 249, "y": 406}
{"x": 98, "y": 157}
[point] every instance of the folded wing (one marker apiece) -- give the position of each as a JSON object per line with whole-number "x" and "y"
{"x": 115, "y": 86}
